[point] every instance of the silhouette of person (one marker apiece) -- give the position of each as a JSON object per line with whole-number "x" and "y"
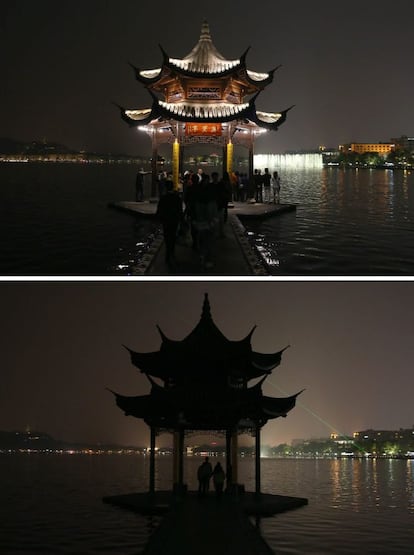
{"x": 266, "y": 185}
{"x": 205, "y": 220}
{"x": 226, "y": 193}
{"x": 170, "y": 211}
{"x": 276, "y": 187}
{"x": 190, "y": 195}
{"x": 258, "y": 185}
{"x": 218, "y": 479}
{"x": 204, "y": 473}
{"x": 139, "y": 186}
{"x": 222, "y": 195}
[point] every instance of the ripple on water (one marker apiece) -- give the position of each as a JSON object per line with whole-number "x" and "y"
{"x": 363, "y": 236}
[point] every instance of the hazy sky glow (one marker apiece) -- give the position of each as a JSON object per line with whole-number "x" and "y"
{"x": 347, "y": 69}
{"x": 61, "y": 343}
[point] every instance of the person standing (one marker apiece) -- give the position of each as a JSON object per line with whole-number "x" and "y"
{"x": 266, "y": 185}
{"x": 275, "y": 182}
{"x": 204, "y": 473}
{"x": 170, "y": 212}
{"x": 218, "y": 479}
{"x": 243, "y": 187}
{"x": 226, "y": 193}
{"x": 205, "y": 220}
{"x": 258, "y": 185}
{"x": 200, "y": 173}
{"x": 221, "y": 194}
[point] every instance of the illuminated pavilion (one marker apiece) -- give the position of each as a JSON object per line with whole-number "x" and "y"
{"x": 201, "y": 383}
{"x": 203, "y": 98}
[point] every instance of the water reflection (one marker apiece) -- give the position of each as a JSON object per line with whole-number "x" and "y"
{"x": 347, "y": 222}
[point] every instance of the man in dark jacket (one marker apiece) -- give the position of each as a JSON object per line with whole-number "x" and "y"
{"x": 170, "y": 212}
{"x": 258, "y": 183}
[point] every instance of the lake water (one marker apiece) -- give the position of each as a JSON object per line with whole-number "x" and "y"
{"x": 56, "y": 221}
{"x": 348, "y": 222}
{"x": 53, "y": 504}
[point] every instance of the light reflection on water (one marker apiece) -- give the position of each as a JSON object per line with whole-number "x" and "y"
{"x": 347, "y": 222}
{"x": 52, "y": 504}
{"x": 56, "y": 221}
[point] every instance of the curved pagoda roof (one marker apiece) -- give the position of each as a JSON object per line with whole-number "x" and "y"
{"x": 197, "y": 393}
{"x": 205, "y": 410}
{"x": 204, "y": 60}
{"x": 205, "y": 354}
{"x": 203, "y": 87}
{"x": 204, "y": 57}
{"x": 203, "y": 113}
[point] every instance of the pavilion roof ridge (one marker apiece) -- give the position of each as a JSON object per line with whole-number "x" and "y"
{"x": 204, "y": 57}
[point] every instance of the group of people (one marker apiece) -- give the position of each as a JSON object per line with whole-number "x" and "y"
{"x": 200, "y": 208}
{"x": 267, "y": 186}
{"x": 204, "y": 474}
{"x": 263, "y": 187}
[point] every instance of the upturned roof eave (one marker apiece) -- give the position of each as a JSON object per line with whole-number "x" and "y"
{"x": 266, "y": 362}
{"x": 170, "y": 70}
{"x": 275, "y": 407}
{"x": 178, "y": 411}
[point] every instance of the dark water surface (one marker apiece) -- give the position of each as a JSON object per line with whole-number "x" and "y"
{"x": 56, "y": 221}
{"x": 52, "y": 504}
{"x": 348, "y": 222}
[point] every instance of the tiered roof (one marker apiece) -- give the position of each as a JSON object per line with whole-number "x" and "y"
{"x": 205, "y": 382}
{"x": 203, "y": 87}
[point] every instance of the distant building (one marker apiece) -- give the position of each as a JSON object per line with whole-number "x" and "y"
{"x": 404, "y": 143}
{"x": 360, "y": 148}
{"x": 384, "y": 435}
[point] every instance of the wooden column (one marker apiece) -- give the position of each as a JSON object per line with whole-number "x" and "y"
{"x": 235, "y": 456}
{"x": 251, "y": 160}
{"x": 181, "y": 460}
{"x": 152, "y": 460}
{"x": 178, "y": 461}
{"x": 176, "y": 163}
{"x": 229, "y": 160}
{"x": 229, "y": 473}
{"x": 257, "y": 457}
{"x": 176, "y": 441}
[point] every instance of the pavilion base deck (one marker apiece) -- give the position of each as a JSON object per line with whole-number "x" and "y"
{"x": 233, "y": 255}
{"x": 206, "y": 525}
{"x": 240, "y": 209}
{"x": 162, "y": 502}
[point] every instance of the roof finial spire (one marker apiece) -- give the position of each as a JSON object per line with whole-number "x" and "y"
{"x": 206, "y": 307}
{"x": 205, "y": 31}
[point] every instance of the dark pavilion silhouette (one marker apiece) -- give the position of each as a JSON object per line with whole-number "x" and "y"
{"x": 203, "y": 98}
{"x": 205, "y": 386}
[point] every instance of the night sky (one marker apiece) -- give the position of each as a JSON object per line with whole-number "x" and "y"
{"x": 351, "y": 348}
{"x": 347, "y": 68}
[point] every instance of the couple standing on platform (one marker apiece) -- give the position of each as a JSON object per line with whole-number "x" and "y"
{"x": 205, "y": 472}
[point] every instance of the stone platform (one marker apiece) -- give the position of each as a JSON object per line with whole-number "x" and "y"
{"x": 240, "y": 209}
{"x": 209, "y": 524}
{"x": 233, "y": 255}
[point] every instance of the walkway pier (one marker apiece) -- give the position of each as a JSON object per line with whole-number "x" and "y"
{"x": 234, "y": 255}
{"x": 206, "y": 525}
